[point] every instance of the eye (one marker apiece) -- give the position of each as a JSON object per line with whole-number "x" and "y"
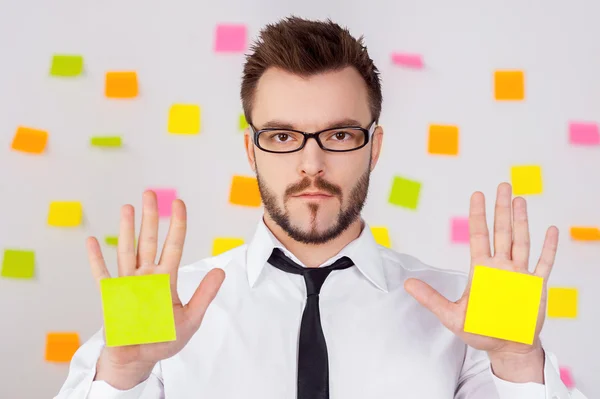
{"x": 340, "y": 135}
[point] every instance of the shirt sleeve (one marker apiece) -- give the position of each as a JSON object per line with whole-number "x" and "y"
{"x": 80, "y": 382}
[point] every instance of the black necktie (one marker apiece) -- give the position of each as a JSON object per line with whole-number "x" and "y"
{"x": 313, "y": 364}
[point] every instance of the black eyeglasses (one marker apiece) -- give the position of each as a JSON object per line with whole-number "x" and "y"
{"x": 339, "y": 139}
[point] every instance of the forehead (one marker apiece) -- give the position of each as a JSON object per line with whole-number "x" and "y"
{"x": 310, "y": 103}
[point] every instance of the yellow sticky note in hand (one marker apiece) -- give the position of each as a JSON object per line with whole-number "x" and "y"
{"x": 562, "y": 303}
{"x": 526, "y": 179}
{"x": 61, "y": 346}
{"x": 443, "y": 140}
{"x": 224, "y": 244}
{"x": 65, "y": 213}
{"x": 184, "y": 119}
{"x": 137, "y": 310}
{"x": 381, "y": 235}
{"x": 29, "y": 140}
{"x": 509, "y": 85}
{"x": 503, "y": 304}
{"x": 244, "y": 191}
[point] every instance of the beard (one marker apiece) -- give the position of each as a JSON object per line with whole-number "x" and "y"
{"x": 356, "y": 202}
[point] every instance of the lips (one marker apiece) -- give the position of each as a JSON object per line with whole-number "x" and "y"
{"x": 318, "y": 194}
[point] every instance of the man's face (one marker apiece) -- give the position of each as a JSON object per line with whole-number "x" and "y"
{"x": 312, "y": 104}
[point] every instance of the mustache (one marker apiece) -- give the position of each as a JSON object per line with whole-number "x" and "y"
{"x": 319, "y": 183}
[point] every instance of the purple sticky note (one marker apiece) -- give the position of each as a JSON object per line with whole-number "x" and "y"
{"x": 584, "y": 133}
{"x": 408, "y": 60}
{"x": 165, "y": 198}
{"x": 230, "y": 38}
{"x": 566, "y": 377}
{"x": 459, "y": 230}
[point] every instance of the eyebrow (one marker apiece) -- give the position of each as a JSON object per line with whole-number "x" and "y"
{"x": 278, "y": 124}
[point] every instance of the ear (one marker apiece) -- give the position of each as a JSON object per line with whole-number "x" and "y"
{"x": 249, "y": 147}
{"x": 377, "y": 141}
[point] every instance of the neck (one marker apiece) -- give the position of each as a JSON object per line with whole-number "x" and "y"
{"x": 314, "y": 255}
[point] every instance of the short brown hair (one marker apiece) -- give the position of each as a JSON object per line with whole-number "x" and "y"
{"x": 306, "y": 48}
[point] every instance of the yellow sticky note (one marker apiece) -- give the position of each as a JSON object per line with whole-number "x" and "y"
{"x": 61, "y": 346}
{"x": 585, "y": 233}
{"x": 121, "y": 84}
{"x": 244, "y": 191}
{"x": 65, "y": 213}
{"x": 30, "y": 140}
{"x": 184, "y": 119}
{"x": 381, "y": 235}
{"x": 503, "y": 304}
{"x": 137, "y": 310}
{"x": 224, "y": 244}
{"x": 443, "y": 140}
{"x": 243, "y": 124}
{"x": 526, "y": 179}
{"x": 509, "y": 85}
{"x": 562, "y": 302}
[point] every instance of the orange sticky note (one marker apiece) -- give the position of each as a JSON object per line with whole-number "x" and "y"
{"x": 244, "y": 191}
{"x": 509, "y": 85}
{"x": 30, "y": 140}
{"x": 121, "y": 84}
{"x": 443, "y": 140}
{"x": 61, "y": 346}
{"x": 585, "y": 233}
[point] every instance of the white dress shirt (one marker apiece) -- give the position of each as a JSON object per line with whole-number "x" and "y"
{"x": 382, "y": 344}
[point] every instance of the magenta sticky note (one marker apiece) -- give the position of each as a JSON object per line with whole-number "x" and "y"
{"x": 584, "y": 133}
{"x": 230, "y": 38}
{"x": 408, "y": 60}
{"x": 459, "y": 230}
{"x": 165, "y": 198}
{"x": 566, "y": 377}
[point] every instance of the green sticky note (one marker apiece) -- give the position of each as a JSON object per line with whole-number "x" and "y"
{"x": 243, "y": 125}
{"x": 405, "y": 192}
{"x": 18, "y": 263}
{"x": 111, "y": 240}
{"x": 66, "y": 65}
{"x": 137, "y": 310}
{"x": 106, "y": 141}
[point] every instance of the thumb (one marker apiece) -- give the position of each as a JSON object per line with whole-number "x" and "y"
{"x": 442, "y": 308}
{"x": 204, "y": 295}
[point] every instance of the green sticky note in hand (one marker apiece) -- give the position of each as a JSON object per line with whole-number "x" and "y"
{"x": 18, "y": 263}
{"x": 137, "y": 310}
{"x": 405, "y": 192}
{"x": 66, "y": 65}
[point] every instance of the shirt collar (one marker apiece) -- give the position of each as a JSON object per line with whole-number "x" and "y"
{"x": 363, "y": 251}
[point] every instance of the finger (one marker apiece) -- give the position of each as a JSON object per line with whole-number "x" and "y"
{"x": 126, "y": 245}
{"x": 441, "y": 307}
{"x": 146, "y": 253}
{"x": 97, "y": 264}
{"x": 173, "y": 247}
{"x": 479, "y": 236}
{"x": 204, "y": 295}
{"x": 546, "y": 261}
{"x": 521, "y": 242}
{"x": 503, "y": 222}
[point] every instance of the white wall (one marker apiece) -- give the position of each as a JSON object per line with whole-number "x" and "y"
{"x": 170, "y": 45}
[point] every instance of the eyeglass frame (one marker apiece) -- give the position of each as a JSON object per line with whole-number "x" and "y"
{"x": 367, "y": 132}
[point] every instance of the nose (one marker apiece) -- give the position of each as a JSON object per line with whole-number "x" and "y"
{"x": 312, "y": 163}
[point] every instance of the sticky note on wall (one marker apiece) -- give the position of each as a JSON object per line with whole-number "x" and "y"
{"x": 224, "y": 244}
{"x": 137, "y": 309}
{"x": 459, "y": 230}
{"x": 381, "y": 235}
{"x": 61, "y": 346}
{"x": 165, "y": 198}
{"x": 184, "y": 119}
{"x": 64, "y": 65}
{"x": 566, "y": 377}
{"x": 509, "y": 85}
{"x": 585, "y": 233}
{"x": 29, "y": 140}
{"x": 18, "y": 263}
{"x": 244, "y": 191}
{"x": 526, "y": 179}
{"x": 443, "y": 140}
{"x": 503, "y": 304}
{"x": 65, "y": 213}
{"x": 243, "y": 124}
{"x": 405, "y": 192}
{"x": 106, "y": 141}
{"x": 409, "y": 60}
{"x": 562, "y": 302}
{"x": 230, "y": 38}
{"x": 584, "y": 133}
{"x": 121, "y": 84}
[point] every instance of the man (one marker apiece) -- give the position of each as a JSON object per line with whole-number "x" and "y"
{"x": 312, "y": 307}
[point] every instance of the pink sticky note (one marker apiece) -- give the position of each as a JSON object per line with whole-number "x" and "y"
{"x": 566, "y": 377}
{"x": 584, "y": 133}
{"x": 408, "y": 60}
{"x": 459, "y": 230}
{"x": 165, "y": 198}
{"x": 230, "y": 38}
